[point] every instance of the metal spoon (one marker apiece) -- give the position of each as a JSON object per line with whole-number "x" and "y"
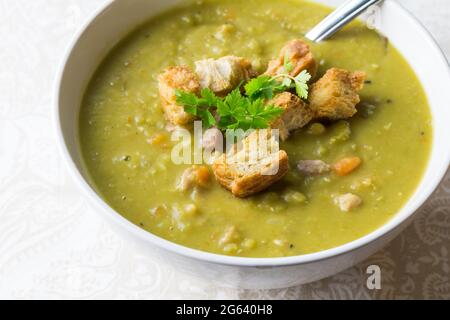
{"x": 339, "y": 18}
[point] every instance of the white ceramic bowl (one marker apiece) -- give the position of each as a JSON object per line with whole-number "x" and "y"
{"x": 118, "y": 18}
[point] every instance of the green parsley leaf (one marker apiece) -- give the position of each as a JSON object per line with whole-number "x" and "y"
{"x": 261, "y": 87}
{"x": 189, "y": 100}
{"x": 235, "y": 100}
{"x": 223, "y": 109}
{"x": 209, "y": 98}
{"x": 265, "y": 87}
{"x": 207, "y": 118}
{"x": 200, "y": 107}
{"x": 301, "y": 84}
{"x": 287, "y": 82}
{"x": 271, "y": 112}
{"x": 237, "y": 111}
{"x": 303, "y": 76}
{"x": 259, "y": 115}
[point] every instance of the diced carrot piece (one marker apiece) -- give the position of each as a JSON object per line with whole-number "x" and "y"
{"x": 202, "y": 175}
{"x": 346, "y": 166}
{"x": 158, "y": 139}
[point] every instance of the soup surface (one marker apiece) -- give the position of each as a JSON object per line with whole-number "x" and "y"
{"x": 121, "y": 119}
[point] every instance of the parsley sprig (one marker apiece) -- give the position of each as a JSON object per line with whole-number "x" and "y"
{"x": 247, "y": 111}
{"x": 235, "y": 110}
{"x": 200, "y": 107}
{"x": 266, "y": 86}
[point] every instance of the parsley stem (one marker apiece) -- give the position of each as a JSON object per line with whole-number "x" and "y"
{"x": 283, "y": 76}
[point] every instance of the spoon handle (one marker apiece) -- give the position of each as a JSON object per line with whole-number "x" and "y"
{"x": 339, "y": 18}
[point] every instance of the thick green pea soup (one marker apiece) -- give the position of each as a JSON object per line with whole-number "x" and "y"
{"x": 127, "y": 148}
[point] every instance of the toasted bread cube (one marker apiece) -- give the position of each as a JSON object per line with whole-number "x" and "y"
{"x": 181, "y": 78}
{"x": 296, "y": 115}
{"x": 246, "y": 170}
{"x": 300, "y": 58}
{"x": 225, "y": 74}
{"x": 335, "y": 95}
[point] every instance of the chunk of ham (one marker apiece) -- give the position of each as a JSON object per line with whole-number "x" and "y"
{"x": 313, "y": 167}
{"x": 348, "y": 202}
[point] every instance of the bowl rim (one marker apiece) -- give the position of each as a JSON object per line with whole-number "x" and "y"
{"x": 117, "y": 219}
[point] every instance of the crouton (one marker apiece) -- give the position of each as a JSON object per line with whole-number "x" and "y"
{"x": 313, "y": 167}
{"x": 252, "y": 165}
{"x": 181, "y": 78}
{"x": 335, "y": 95}
{"x": 348, "y": 202}
{"x": 300, "y": 58}
{"x": 224, "y": 74}
{"x": 296, "y": 115}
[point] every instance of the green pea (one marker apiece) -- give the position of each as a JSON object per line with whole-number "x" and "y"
{"x": 294, "y": 197}
{"x": 316, "y": 129}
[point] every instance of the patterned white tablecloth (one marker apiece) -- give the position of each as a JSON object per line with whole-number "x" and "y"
{"x": 53, "y": 245}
